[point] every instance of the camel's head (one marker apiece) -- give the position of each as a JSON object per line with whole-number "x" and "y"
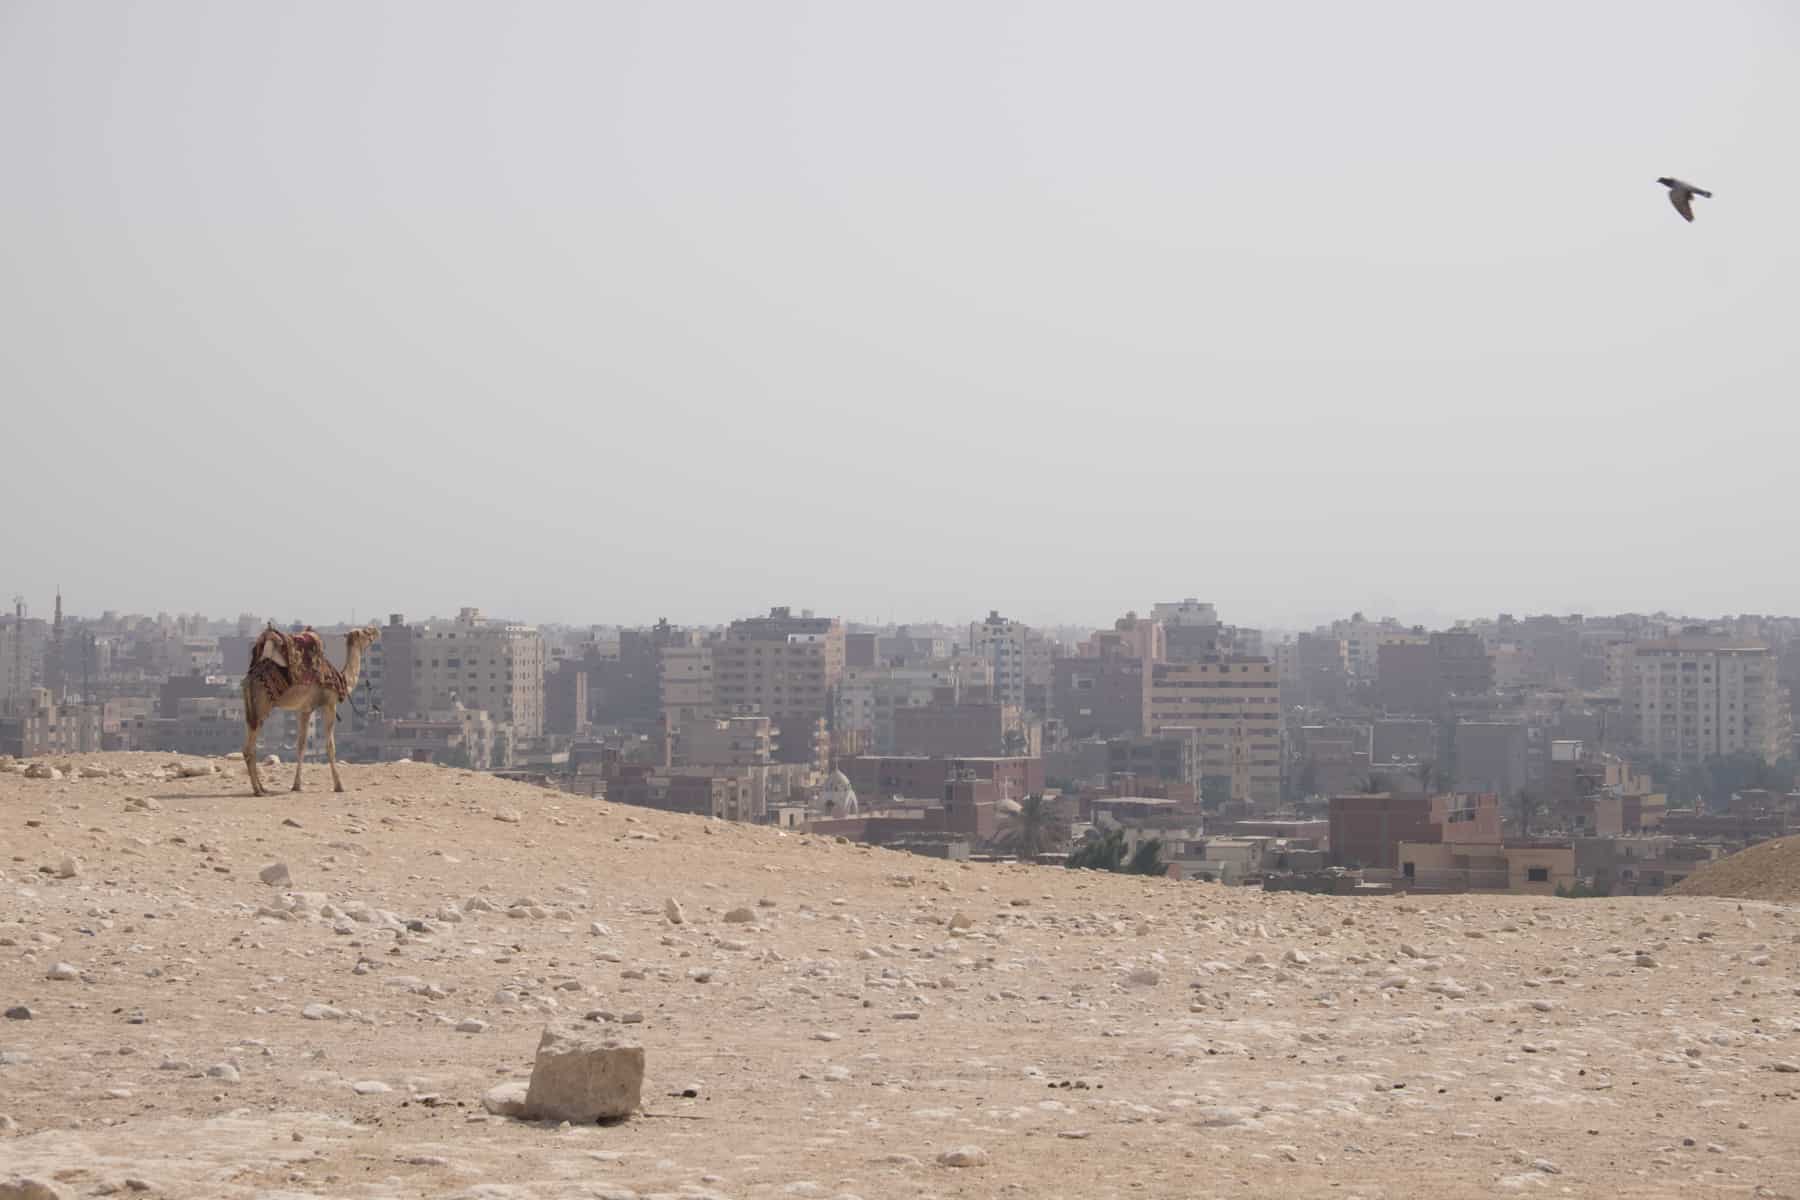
{"x": 360, "y": 638}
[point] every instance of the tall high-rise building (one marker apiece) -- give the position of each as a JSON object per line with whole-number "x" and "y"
{"x": 684, "y": 679}
{"x": 780, "y": 666}
{"x": 1235, "y": 703}
{"x": 1690, "y": 698}
{"x": 496, "y": 666}
{"x": 24, "y": 648}
{"x": 1021, "y": 657}
{"x": 1192, "y": 632}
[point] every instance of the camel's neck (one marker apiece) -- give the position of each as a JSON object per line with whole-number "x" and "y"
{"x": 353, "y": 654}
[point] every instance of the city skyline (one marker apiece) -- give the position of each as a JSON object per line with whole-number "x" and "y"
{"x": 974, "y": 611}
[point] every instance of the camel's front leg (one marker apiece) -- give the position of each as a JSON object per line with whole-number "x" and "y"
{"x": 330, "y": 714}
{"x": 302, "y": 719}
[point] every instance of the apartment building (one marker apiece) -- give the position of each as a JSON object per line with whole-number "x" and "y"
{"x": 868, "y": 698}
{"x": 1021, "y": 657}
{"x": 1492, "y": 756}
{"x": 1235, "y": 704}
{"x": 784, "y": 667}
{"x": 684, "y": 679}
{"x": 1692, "y": 697}
{"x": 730, "y": 742}
{"x": 492, "y": 666}
{"x": 1192, "y": 632}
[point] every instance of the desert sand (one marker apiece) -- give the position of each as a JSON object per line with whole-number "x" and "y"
{"x": 829, "y": 1020}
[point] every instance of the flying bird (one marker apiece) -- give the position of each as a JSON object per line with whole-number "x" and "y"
{"x": 1681, "y": 195}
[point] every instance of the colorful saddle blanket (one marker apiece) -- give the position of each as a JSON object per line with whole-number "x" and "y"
{"x": 285, "y": 660}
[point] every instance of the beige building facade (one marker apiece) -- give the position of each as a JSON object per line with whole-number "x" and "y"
{"x": 684, "y": 680}
{"x": 493, "y": 666}
{"x": 1235, "y": 704}
{"x": 1693, "y": 698}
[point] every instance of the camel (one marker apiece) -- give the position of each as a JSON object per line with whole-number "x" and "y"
{"x": 292, "y": 673}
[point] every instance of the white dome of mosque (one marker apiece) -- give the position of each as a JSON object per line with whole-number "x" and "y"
{"x": 837, "y": 795}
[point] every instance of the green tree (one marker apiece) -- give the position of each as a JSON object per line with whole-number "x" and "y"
{"x": 1215, "y": 790}
{"x": 1528, "y": 804}
{"x": 1147, "y": 859}
{"x": 1099, "y": 853}
{"x": 1107, "y": 853}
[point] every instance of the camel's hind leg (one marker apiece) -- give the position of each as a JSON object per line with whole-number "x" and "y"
{"x": 252, "y": 720}
{"x": 329, "y": 712}
{"x": 302, "y": 719}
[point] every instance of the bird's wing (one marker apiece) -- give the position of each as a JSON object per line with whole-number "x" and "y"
{"x": 1683, "y": 205}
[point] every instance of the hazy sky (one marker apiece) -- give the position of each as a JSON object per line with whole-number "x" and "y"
{"x": 606, "y": 311}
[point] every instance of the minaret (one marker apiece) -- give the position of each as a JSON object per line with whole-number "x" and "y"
{"x": 19, "y": 699}
{"x": 53, "y": 664}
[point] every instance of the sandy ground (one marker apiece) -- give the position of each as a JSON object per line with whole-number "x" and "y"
{"x": 1093, "y": 1036}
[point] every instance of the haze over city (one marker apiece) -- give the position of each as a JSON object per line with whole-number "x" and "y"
{"x": 635, "y": 310}
{"x": 826, "y": 598}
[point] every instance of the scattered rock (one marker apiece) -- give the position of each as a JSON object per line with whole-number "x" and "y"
{"x": 62, "y": 971}
{"x": 672, "y": 909}
{"x": 740, "y": 916}
{"x": 582, "y": 1077}
{"x": 963, "y": 1156}
{"x": 69, "y": 867}
{"x": 370, "y": 1087}
{"x": 275, "y": 875}
{"x": 506, "y": 1100}
{"x": 20, "y": 1187}
{"x": 471, "y": 1025}
{"x": 19, "y": 1012}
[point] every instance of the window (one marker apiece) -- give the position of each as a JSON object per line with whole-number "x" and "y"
{"x": 1538, "y": 874}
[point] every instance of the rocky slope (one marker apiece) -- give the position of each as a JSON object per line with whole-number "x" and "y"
{"x": 826, "y": 1020}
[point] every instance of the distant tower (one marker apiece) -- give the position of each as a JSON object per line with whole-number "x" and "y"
{"x": 53, "y": 664}
{"x": 1240, "y": 769}
{"x": 18, "y": 688}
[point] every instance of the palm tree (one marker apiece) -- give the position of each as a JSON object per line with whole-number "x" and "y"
{"x": 1425, "y": 771}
